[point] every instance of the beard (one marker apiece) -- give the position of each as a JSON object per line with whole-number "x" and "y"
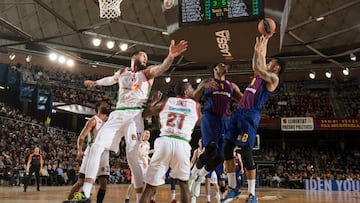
{"x": 139, "y": 65}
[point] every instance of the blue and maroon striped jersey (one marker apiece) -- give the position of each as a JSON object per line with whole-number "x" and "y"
{"x": 218, "y": 99}
{"x": 255, "y": 95}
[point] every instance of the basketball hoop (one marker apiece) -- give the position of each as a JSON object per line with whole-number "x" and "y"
{"x": 109, "y": 9}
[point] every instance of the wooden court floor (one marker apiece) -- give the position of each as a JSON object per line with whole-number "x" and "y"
{"x": 116, "y": 193}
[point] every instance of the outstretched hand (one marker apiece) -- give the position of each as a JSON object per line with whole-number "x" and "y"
{"x": 211, "y": 84}
{"x": 177, "y": 49}
{"x": 157, "y": 96}
{"x": 261, "y": 45}
{"x": 89, "y": 83}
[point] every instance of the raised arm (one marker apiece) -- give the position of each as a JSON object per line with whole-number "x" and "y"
{"x": 259, "y": 63}
{"x": 237, "y": 93}
{"x": 202, "y": 86}
{"x": 84, "y": 133}
{"x": 174, "y": 51}
{"x": 106, "y": 81}
{"x": 154, "y": 100}
{"x": 149, "y": 111}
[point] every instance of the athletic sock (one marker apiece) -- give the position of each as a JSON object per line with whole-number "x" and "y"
{"x": 87, "y": 189}
{"x": 232, "y": 180}
{"x": 100, "y": 196}
{"x": 251, "y": 186}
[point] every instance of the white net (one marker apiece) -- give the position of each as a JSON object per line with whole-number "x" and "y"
{"x": 109, "y": 9}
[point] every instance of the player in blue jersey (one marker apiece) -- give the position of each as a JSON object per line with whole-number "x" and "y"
{"x": 245, "y": 119}
{"x": 218, "y": 93}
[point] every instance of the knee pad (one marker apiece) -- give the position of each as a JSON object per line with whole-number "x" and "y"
{"x": 247, "y": 157}
{"x": 214, "y": 162}
{"x": 228, "y": 149}
{"x": 210, "y": 151}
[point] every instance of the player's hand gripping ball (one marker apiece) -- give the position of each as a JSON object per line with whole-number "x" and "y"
{"x": 267, "y": 27}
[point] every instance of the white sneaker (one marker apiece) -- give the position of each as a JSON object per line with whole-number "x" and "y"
{"x": 193, "y": 199}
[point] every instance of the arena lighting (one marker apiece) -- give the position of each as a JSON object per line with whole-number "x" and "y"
{"x": 167, "y": 79}
{"x": 28, "y": 58}
{"x": 320, "y": 18}
{"x": 185, "y": 80}
{"x": 61, "y": 59}
{"x": 70, "y": 62}
{"x": 346, "y": 71}
{"x": 165, "y": 33}
{"x": 96, "y": 42}
{"x": 53, "y": 56}
{"x": 110, "y": 44}
{"x": 198, "y": 80}
{"x": 352, "y": 57}
{"x": 312, "y": 75}
{"x": 328, "y": 74}
{"x": 12, "y": 56}
{"x": 123, "y": 46}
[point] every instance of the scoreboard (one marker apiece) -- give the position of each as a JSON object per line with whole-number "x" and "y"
{"x": 202, "y": 12}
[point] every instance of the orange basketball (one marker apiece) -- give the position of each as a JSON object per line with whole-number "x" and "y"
{"x": 267, "y": 26}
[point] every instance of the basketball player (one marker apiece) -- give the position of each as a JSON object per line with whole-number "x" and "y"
{"x": 218, "y": 93}
{"x": 210, "y": 178}
{"x": 144, "y": 151}
{"x": 134, "y": 88}
{"x": 197, "y": 152}
{"x": 131, "y": 141}
{"x": 178, "y": 117}
{"x": 90, "y": 131}
{"x": 245, "y": 119}
{"x": 34, "y": 165}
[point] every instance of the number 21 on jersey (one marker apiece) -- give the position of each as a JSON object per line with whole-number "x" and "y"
{"x": 175, "y": 120}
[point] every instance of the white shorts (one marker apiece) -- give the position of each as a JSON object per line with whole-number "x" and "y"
{"x": 213, "y": 178}
{"x": 117, "y": 126}
{"x": 143, "y": 169}
{"x": 104, "y": 168}
{"x": 169, "y": 152}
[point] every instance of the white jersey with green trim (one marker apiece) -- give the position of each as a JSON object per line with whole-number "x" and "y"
{"x": 95, "y": 130}
{"x": 134, "y": 89}
{"x": 178, "y": 117}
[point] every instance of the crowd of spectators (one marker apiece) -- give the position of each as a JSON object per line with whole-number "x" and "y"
{"x": 299, "y": 99}
{"x": 349, "y": 96}
{"x": 295, "y": 99}
{"x": 68, "y": 87}
{"x": 19, "y": 134}
{"x": 295, "y": 164}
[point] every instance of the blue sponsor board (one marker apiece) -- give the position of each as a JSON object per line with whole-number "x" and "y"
{"x": 332, "y": 185}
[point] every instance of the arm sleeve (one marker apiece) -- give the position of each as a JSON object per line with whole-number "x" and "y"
{"x": 106, "y": 81}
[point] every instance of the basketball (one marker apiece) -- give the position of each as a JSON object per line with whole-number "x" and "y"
{"x": 267, "y": 26}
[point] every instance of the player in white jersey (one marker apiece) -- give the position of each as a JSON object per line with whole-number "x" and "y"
{"x": 144, "y": 151}
{"x": 178, "y": 117}
{"x": 90, "y": 131}
{"x": 134, "y": 88}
